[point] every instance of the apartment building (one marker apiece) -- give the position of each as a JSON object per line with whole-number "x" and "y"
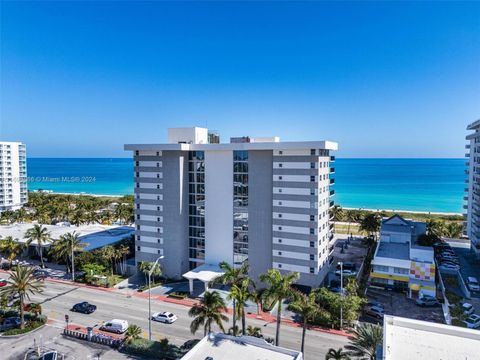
{"x": 253, "y": 199}
{"x": 472, "y": 190}
{"x": 399, "y": 262}
{"x": 13, "y": 175}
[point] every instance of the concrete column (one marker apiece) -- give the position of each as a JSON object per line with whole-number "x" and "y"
{"x": 190, "y": 285}
{"x": 206, "y": 285}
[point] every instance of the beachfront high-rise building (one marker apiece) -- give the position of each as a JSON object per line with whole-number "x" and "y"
{"x": 472, "y": 190}
{"x": 253, "y": 199}
{"x": 13, "y": 175}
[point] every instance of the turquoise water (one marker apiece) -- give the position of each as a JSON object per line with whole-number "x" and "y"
{"x": 396, "y": 184}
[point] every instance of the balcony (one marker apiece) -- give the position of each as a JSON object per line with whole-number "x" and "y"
{"x": 332, "y": 192}
{"x": 332, "y": 181}
{"x": 467, "y": 146}
{"x": 332, "y": 170}
{"x": 332, "y": 203}
{"x": 332, "y": 158}
{"x": 467, "y": 155}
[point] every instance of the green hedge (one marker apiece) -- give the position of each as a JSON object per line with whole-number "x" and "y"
{"x": 31, "y": 323}
{"x": 153, "y": 349}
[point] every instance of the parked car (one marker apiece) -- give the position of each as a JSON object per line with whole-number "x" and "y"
{"x": 3, "y": 282}
{"x": 50, "y": 355}
{"x": 468, "y": 309}
{"x": 84, "y": 308}
{"x": 165, "y": 317}
{"x": 115, "y": 326}
{"x": 449, "y": 267}
{"x": 473, "y": 321}
{"x": 346, "y": 273}
{"x": 376, "y": 304}
{"x": 473, "y": 284}
{"x": 375, "y": 311}
{"x": 9, "y": 323}
{"x": 427, "y": 301}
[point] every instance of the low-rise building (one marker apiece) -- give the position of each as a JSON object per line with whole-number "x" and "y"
{"x": 415, "y": 339}
{"x": 218, "y": 346}
{"x": 399, "y": 262}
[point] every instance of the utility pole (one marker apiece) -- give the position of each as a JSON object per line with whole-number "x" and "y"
{"x": 149, "y": 298}
{"x": 341, "y": 294}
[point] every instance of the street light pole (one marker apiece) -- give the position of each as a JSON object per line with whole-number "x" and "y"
{"x": 341, "y": 294}
{"x": 149, "y": 298}
{"x": 73, "y": 265}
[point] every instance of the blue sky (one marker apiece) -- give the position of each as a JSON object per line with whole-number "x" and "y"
{"x": 384, "y": 79}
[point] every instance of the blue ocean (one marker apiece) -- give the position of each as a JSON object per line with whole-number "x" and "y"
{"x": 435, "y": 185}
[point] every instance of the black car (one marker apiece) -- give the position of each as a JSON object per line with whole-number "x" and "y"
{"x": 84, "y": 307}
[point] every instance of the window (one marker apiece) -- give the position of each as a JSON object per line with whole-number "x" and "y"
{"x": 158, "y": 164}
{"x": 280, "y": 152}
{"x": 136, "y": 152}
{"x": 138, "y": 227}
{"x": 138, "y": 185}
{"x": 312, "y": 231}
{"x": 279, "y": 190}
{"x": 159, "y": 252}
{"x": 400, "y": 271}
{"x": 380, "y": 268}
{"x": 158, "y": 186}
{"x": 279, "y": 228}
{"x": 158, "y": 241}
{"x": 312, "y": 257}
{"x": 158, "y": 219}
{"x": 138, "y": 238}
{"x": 158, "y": 230}
{"x": 138, "y": 248}
{"x": 158, "y": 176}
{"x": 312, "y": 244}
{"x": 312, "y": 191}
{"x": 137, "y": 163}
{"x": 312, "y": 217}
{"x": 158, "y": 197}
{"x": 137, "y": 174}
{"x": 280, "y": 203}
{"x": 280, "y": 165}
{"x": 279, "y": 215}
{"x": 279, "y": 266}
{"x": 312, "y": 178}
{"x": 279, "y": 253}
{"x": 138, "y": 206}
{"x": 280, "y": 241}
{"x": 158, "y": 153}
{"x": 312, "y": 165}
{"x": 312, "y": 270}
{"x": 158, "y": 208}
{"x": 280, "y": 178}
{"x": 312, "y": 151}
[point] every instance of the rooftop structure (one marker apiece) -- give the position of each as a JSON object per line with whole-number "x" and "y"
{"x": 399, "y": 262}
{"x": 199, "y": 203}
{"x": 472, "y": 189}
{"x": 94, "y": 235}
{"x": 218, "y": 346}
{"x": 13, "y": 175}
{"x": 415, "y": 339}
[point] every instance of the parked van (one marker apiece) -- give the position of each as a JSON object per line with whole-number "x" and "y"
{"x": 115, "y": 326}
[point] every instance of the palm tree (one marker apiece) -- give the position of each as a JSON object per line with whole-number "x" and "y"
{"x": 256, "y": 295}
{"x": 11, "y": 248}
{"x": 453, "y": 230}
{"x": 24, "y": 283}
{"x": 133, "y": 333}
{"x": 436, "y": 227}
{"x": 337, "y": 213}
{"x": 339, "y": 354}
{"x": 365, "y": 340}
{"x": 307, "y": 308}
{"x": 254, "y": 331}
{"x": 145, "y": 267}
{"x": 65, "y": 248}
{"x": 240, "y": 294}
{"x": 370, "y": 224}
{"x": 208, "y": 311}
{"x": 108, "y": 254}
{"x": 233, "y": 276}
{"x": 123, "y": 251}
{"x": 40, "y": 235}
{"x": 279, "y": 289}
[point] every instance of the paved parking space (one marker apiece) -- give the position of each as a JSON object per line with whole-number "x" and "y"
{"x": 398, "y": 304}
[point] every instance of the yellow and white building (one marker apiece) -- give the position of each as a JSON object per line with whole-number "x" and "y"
{"x": 399, "y": 263}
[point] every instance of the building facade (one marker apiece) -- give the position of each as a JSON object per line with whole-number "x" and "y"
{"x": 13, "y": 175}
{"x": 399, "y": 262}
{"x": 253, "y": 199}
{"x": 472, "y": 188}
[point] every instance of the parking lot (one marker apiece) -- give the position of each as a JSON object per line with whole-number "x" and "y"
{"x": 398, "y": 304}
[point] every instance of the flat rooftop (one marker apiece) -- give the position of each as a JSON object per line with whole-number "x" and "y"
{"x": 225, "y": 347}
{"x": 415, "y": 339}
{"x": 399, "y": 251}
{"x": 95, "y": 235}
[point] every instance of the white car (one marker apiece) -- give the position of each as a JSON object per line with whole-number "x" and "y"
{"x": 165, "y": 317}
{"x": 468, "y": 309}
{"x": 473, "y": 321}
{"x": 449, "y": 267}
{"x": 346, "y": 273}
{"x": 473, "y": 284}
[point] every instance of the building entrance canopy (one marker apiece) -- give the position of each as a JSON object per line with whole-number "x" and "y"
{"x": 205, "y": 273}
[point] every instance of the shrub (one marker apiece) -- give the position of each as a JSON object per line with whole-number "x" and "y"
{"x": 153, "y": 349}
{"x": 178, "y": 294}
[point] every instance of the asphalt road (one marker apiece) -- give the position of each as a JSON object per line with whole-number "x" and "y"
{"x": 57, "y": 300}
